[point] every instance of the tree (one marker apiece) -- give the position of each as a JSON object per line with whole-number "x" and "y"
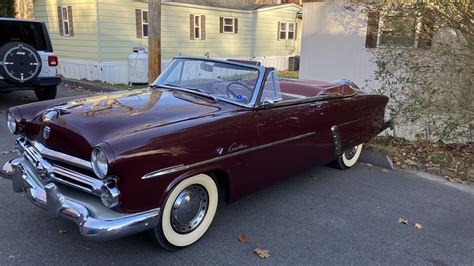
{"x": 7, "y": 8}
{"x": 430, "y": 83}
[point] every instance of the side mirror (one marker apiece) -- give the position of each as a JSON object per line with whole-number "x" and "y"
{"x": 267, "y": 104}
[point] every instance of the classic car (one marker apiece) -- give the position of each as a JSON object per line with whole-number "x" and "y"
{"x": 160, "y": 159}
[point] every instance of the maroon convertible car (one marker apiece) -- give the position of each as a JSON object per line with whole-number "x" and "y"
{"x": 160, "y": 159}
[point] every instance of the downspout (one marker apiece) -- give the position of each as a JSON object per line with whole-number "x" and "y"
{"x": 99, "y": 47}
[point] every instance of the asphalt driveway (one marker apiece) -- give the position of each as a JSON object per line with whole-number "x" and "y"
{"x": 322, "y": 216}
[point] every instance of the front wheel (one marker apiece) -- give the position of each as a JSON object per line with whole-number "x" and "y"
{"x": 46, "y": 93}
{"x": 348, "y": 158}
{"x": 187, "y": 213}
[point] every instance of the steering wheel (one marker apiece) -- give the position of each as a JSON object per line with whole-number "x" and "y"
{"x": 232, "y": 95}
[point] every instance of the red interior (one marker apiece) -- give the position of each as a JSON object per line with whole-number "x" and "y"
{"x": 296, "y": 89}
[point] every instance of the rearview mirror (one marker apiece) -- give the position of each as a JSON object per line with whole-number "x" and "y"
{"x": 207, "y": 67}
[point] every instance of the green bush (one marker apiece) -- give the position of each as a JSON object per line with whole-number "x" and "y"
{"x": 7, "y": 8}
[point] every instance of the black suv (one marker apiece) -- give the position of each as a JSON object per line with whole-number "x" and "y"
{"x": 27, "y": 61}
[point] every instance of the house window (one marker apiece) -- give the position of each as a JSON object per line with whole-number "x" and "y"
{"x": 197, "y": 24}
{"x": 65, "y": 21}
{"x": 398, "y": 30}
{"x": 228, "y": 25}
{"x": 286, "y": 31}
{"x": 197, "y": 27}
{"x": 144, "y": 23}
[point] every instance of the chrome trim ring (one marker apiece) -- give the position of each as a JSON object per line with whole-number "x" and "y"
{"x": 189, "y": 209}
{"x": 350, "y": 153}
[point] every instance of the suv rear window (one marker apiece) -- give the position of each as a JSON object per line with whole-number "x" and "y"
{"x": 20, "y": 31}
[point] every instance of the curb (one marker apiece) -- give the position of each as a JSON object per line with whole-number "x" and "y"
{"x": 438, "y": 179}
{"x": 87, "y": 85}
{"x": 377, "y": 159}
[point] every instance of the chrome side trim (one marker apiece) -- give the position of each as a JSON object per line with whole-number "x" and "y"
{"x": 182, "y": 167}
{"x": 95, "y": 222}
{"x": 336, "y": 138}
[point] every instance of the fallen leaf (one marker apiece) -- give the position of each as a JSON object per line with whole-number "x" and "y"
{"x": 243, "y": 238}
{"x": 62, "y": 231}
{"x": 402, "y": 221}
{"x": 410, "y": 162}
{"x": 262, "y": 253}
{"x": 456, "y": 180}
{"x": 418, "y": 226}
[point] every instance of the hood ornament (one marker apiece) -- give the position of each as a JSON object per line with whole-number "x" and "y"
{"x": 46, "y": 132}
{"x": 54, "y": 113}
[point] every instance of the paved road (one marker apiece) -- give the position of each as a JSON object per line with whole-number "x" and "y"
{"x": 322, "y": 216}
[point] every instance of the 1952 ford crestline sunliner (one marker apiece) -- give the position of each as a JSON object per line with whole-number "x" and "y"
{"x": 160, "y": 159}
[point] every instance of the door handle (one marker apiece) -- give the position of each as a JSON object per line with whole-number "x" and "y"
{"x": 316, "y": 105}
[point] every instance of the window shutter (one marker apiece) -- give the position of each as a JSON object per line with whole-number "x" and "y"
{"x": 278, "y": 31}
{"x": 138, "y": 23}
{"x": 71, "y": 24}
{"x": 236, "y": 25}
{"x": 60, "y": 19}
{"x": 191, "y": 27}
{"x": 296, "y": 30}
{"x": 203, "y": 27}
{"x": 372, "y": 29}
{"x": 221, "y": 24}
{"x": 426, "y": 31}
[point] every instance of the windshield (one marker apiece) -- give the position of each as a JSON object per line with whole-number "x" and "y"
{"x": 219, "y": 80}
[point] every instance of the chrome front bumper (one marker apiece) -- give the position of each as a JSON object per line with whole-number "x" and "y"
{"x": 95, "y": 221}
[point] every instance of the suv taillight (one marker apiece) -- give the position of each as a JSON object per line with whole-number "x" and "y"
{"x": 52, "y": 61}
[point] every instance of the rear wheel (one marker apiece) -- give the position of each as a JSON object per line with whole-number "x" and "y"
{"x": 348, "y": 158}
{"x": 46, "y": 93}
{"x": 187, "y": 212}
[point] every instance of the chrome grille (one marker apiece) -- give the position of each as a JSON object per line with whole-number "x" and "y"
{"x": 48, "y": 170}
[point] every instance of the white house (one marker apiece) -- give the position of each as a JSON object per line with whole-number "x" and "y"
{"x": 338, "y": 39}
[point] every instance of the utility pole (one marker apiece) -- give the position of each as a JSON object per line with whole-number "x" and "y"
{"x": 154, "y": 40}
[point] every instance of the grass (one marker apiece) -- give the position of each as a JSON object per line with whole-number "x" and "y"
{"x": 289, "y": 74}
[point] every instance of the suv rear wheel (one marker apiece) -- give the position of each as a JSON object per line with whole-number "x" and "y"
{"x": 46, "y": 93}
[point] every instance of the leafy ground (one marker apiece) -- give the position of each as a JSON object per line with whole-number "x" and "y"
{"x": 455, "y": 162}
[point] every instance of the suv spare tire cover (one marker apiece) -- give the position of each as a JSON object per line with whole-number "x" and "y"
{"x": 19, "y": 62}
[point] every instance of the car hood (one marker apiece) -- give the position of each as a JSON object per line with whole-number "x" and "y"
{"x": 86, "y": 122}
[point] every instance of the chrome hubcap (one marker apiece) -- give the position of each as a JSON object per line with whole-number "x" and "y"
{"x": 350, "y": 153}
{"x": 189, "y": 209}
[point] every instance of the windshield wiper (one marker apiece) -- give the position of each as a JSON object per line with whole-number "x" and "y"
{"x": 188, "y": 89}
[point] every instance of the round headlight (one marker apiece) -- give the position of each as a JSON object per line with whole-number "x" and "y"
{"x": 99, "y": 162}
{"x": 11, "y": 123}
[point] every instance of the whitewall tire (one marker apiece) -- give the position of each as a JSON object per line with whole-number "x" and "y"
{"x": 187, "y": 212}
{"x": 348, "y": 158}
